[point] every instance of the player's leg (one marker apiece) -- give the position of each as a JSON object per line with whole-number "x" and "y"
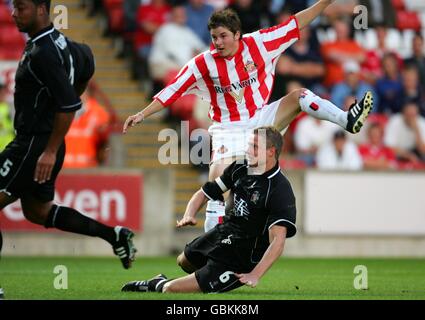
{"x": 185, "y": 284}
{"x": 1, "y": 245}
{"x": 305, "y": 100}
{"x": 5, "y": 199}
{"x": 215, "y": 210}
{"x": 68, "y": 219}
{"x": 195, "y": 253}
{"x": 185, "y": 264}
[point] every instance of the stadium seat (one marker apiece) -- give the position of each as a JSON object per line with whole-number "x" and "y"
{"x": 11, "y": 37}
{"x": 5, "y": 16}
{"x": 12, "y": 53}
{"x": 407, "y": 20}
{"x": 398, "y": 5}
{"x": 415, "y": 5}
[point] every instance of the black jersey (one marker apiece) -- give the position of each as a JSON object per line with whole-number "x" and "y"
{"x": 259, "y": 202}
{"x": 44, "y": 83}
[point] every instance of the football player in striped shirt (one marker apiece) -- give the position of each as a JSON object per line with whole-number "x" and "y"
{"x": 236, "y": 77}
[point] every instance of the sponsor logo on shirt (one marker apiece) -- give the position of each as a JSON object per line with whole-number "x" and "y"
{"x": 236, "y": 89}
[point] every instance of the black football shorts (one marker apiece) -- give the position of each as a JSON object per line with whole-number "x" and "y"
{"x": 215, "y": 262}
{"x": 17, "y": 166}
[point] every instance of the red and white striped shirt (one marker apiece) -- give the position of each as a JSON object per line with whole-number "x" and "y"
{"x": 235, "y": 86}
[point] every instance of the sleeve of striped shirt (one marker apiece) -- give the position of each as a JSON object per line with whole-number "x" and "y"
{"x": 214, "y": 190}
{"x": 278, "y": 38}
{"x": 184, "y": 80}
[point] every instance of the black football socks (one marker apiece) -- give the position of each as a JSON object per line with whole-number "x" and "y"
{"x": 68, "y": 219}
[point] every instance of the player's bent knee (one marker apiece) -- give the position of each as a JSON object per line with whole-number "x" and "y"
{"x": 34, "y": 214}
{"x": 185, "y": 264}
{"x": 296, "y": 93}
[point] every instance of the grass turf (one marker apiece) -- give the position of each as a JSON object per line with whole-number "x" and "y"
{"x": 288, "y": 279}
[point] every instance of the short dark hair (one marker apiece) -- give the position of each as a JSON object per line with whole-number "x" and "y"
{"x": 46, "y": 2}
{"x": 225, "y": 18}
{"x": 273, "y": 138}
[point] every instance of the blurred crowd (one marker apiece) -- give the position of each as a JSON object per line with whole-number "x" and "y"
{"x": 385, "y": 54}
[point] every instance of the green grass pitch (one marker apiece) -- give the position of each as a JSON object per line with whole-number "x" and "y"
{"x": 288, "y": 279}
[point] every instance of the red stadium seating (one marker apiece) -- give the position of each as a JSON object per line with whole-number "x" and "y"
{"x": 13, "y": 53}
{"x": 407, "y": 20}
{"x": 11, "y": 37}
{"x": 398, "y": 5}
{"x": 5, "y": 15}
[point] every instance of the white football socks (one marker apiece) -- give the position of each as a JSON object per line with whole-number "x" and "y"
{"x": 215, "y": 212}
{"x": 322, "y": 109}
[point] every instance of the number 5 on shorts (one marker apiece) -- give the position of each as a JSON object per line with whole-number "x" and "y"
{"x": 5, "y": 168}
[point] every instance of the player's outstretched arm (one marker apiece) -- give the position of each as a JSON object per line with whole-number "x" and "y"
{"x": 195, "y": 203}
{"x": 306, "y": 16}
{"x": 277, "y": 235}
{"x": 137, "y": 118}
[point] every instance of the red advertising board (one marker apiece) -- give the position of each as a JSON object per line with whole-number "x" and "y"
{"x": 113, "y": 199}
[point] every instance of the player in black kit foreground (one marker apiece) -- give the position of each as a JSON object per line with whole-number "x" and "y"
{"x": 52, "y": 74}
{"x": 252, "y": 236}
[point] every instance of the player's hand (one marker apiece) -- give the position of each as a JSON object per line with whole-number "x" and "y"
{"x": 45, "y": 164}
{"x": 132, "y": 121}
{"x": 186, "y": 221}
{"x": 248, "y": 279}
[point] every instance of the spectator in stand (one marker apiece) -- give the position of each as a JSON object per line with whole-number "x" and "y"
{"x": 351, "y": 86}
{"x": 372, "y": 66}
{"x": 249, "y": 13}
{"x": 166, "y": 57}
{"x": 335, "y": 53}
{"x": 412, "y": 91}
{"x": 87, "y": 138}
{"x": 339, "y": 154}
{"x": 198, "y": 12}
{"x": 150, "y": 17}
{"x": 418, "y": 57}
{"x": 310, "y": 135}
{"x": 130, "y": 14}
{"x": 405, "y": 134}
{"x": 6, "y": 124}
{"x": 301, "y": 63}
{"x": 389, "y": 88}
{"x": 377, "y": 156}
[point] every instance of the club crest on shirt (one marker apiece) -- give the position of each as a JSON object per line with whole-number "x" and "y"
{"x": 255, "y": 197}
{"x": 250, "y": 66}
